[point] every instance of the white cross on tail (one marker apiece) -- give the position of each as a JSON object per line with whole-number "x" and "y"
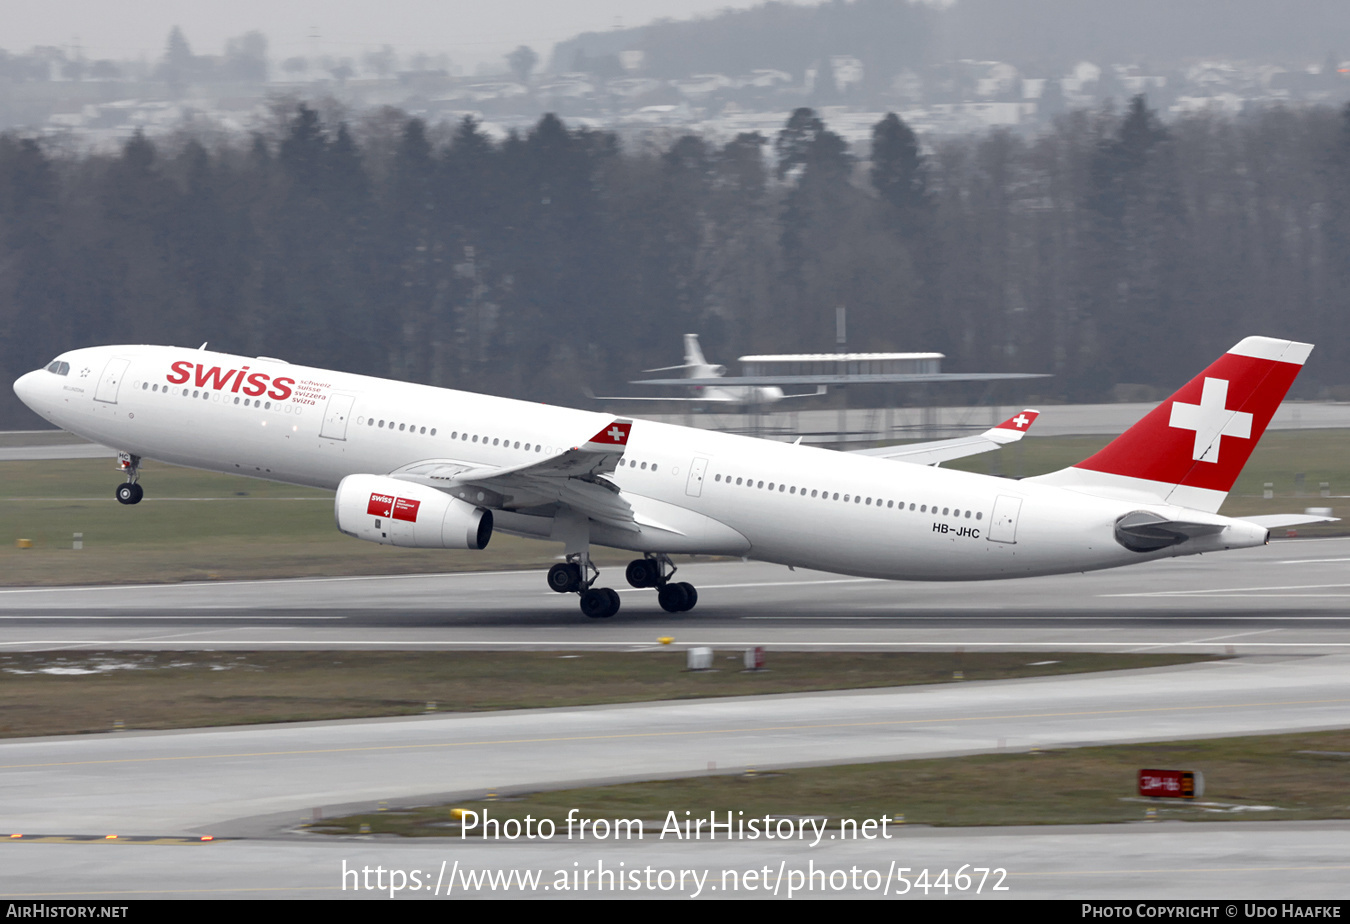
{"x": 1211, "y": 419}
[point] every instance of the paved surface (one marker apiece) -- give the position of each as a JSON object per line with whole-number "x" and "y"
{"x": 257, "y": 782}
{"x": 1282, "y": 607}
{"x": 1287, "y": 598}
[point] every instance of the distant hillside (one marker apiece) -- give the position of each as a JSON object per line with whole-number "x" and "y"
{"x": 888, "y": 34}
{"x": 1056, "y": 33}
{"x": 891, "y": 35}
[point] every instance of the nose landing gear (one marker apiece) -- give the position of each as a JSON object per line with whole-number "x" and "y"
{"x": 130, "y": 491}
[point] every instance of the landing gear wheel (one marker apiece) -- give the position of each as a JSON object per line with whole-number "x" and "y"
{"x": 600, "y": 603}
{"x": 673, "y": 598}
{"x": 690, "y": 596}
{"x": 129, "y": 493}
{"x": 563, "y": 578}
{"x": 643, "y": 572}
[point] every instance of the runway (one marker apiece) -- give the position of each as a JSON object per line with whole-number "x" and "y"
{"x": 1287, "y": 598}
{"x": 258, "y": 782}
{"x": 1281, "y": 609}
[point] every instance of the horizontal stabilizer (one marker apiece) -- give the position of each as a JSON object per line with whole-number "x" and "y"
{"x": 1286, "y": 520}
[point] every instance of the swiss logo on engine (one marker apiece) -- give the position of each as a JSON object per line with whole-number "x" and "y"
{"x": 398, "y": 508}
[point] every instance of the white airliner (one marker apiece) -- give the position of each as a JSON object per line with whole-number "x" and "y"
{"x": 432, "y": 468}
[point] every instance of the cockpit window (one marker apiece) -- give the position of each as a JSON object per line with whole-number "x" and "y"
{"x": 59, "y": 368}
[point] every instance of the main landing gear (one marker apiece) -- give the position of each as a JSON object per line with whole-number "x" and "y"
{"x": 650, "y": 571}
{"x": 566, "y": 578}
{"x": 602, "y": 602}
{"x": 576, "y": 575}
{"x": 130, "y": 491}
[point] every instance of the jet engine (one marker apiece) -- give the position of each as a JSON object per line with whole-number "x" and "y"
{"x": 392, "y": 512}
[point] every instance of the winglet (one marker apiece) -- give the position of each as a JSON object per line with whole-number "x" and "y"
{"x": 612, "y": 436}
{"x": 1014, "y": 428}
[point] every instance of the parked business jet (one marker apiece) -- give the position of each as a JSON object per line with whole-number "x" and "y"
{"x": 697, "y": 367}
{"x": 432, "y": 468}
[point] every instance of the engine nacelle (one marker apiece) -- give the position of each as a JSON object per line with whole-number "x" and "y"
{"x": 392, "y": 512}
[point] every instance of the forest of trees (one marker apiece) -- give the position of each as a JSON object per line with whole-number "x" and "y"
{"x": 1111, "y": 249}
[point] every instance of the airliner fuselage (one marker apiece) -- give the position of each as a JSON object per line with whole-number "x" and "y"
{"x": 662, "y": 490}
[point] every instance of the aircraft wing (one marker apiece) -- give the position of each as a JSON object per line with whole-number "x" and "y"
{"x": 574, "y": 477}
{"x": 938, "y": 451}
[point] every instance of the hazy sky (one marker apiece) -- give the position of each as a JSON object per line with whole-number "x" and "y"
{"x": 468, "y": 30}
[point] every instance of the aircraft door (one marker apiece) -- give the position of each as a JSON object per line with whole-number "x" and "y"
{"x": 694, "y": 486}
{"x": 335, "y": 418}
{"x": 1003, "y": 524}
{"x": 111, "y": 380}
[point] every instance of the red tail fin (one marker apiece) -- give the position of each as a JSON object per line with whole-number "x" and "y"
{"x": 1191, "y": 448}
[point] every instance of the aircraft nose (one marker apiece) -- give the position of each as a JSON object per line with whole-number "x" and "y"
{"x": 26, "y": 388}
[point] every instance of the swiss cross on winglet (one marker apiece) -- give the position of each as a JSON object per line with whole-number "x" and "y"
{"x": 1012, "y": 429}
{"x": 1021, "y": 421}
{"x": 615, "y": 434}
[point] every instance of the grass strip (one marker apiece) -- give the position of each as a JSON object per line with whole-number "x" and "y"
{"x": 1270, "y": 777}
{"x": 61, "y": 693}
